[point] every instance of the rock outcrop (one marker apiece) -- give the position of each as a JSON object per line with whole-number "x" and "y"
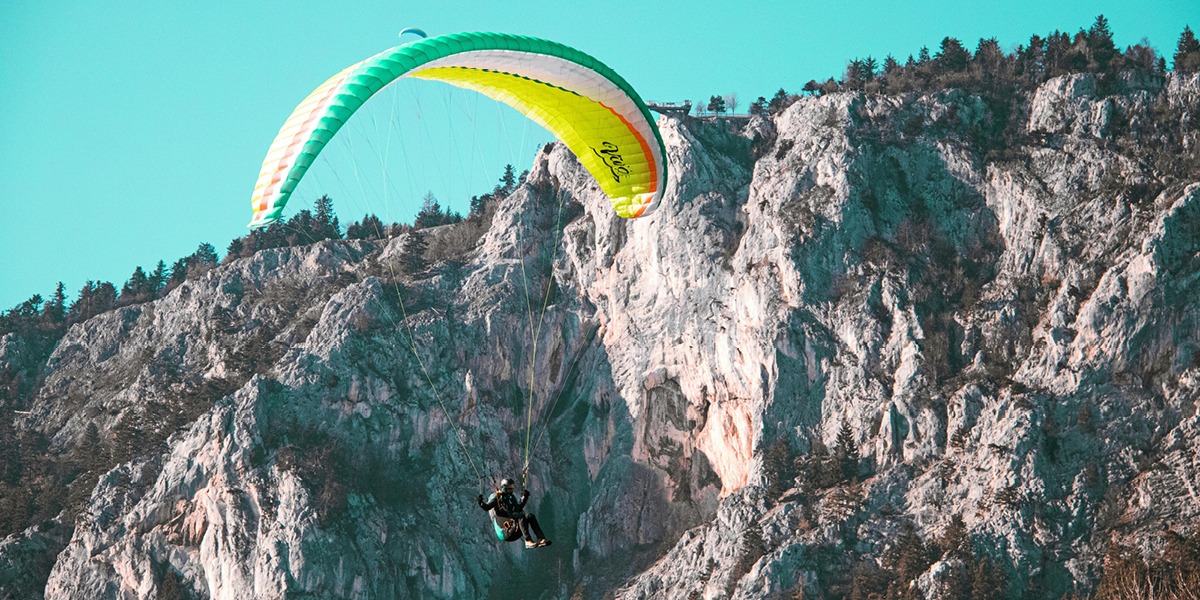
{"x": 1003, "y": 315}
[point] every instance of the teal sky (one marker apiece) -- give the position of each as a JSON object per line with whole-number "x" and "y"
{"x": 135, "y": 129}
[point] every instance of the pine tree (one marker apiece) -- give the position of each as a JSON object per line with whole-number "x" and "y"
{"x": 846, "y": 453}
{"x": 78, "y": 310}
{"x": 55, "y": 311}
{"x": 478, "y": 206}
{"x": 819, "y": 469}
{"x": 25, "y": 317}
{"x": 274, "y": 236}
{"x": 158, "y": 278}
{"x": 104, "y": 298}
{"x": 137, "y": 289}
{"x": 31, "y": 308}
{"x": 759, "y": 107}
{"x": 909, "y": 557}
{"x": 1100, "y": 43}
{"x": 370, "y": 228}
{"x": 716, "y": 104}
{"x": 853, "y": 78}
{"x": 843, "y": 503}
{"x": 1030, "y": 63}
{"x": 869, "y": 67}
{"x": 778, "y": 468}
{"x": 1141, "y": 56}
{"x": 412, "y": 255}
{"x": 955, "y": 542}
{"x": 952, "y": 57}
{"x": 1187, "y": 52}
{"x": 179, "y": 272}
{"x": 335, "y": 228}
{"x": 988, "y": 57}
{"x": 82, "y": 308}
{"x": 1099, "y": 33}
{"x": 325, "y": 222}
{"x": 193, "y": 265}
{"x": 778, "y": 102}
{"x": 1058, "y": 44}
{"x": 868, "y": 581}
{"x": 890, "y": 66}
{"x": 1076, "y": 60}
{"x": 508, "y": 181}
{"x": 127, "y": 436}
{"x": 205, "y": 255}
{"x": 299, "y": 230}
{"x": 987, "y": 582}
{"x": 10, "y": 458}
{"x": 89, "y": 454}
{"x": 234, "y": 250}
{"x": 430, "y": 214}
{"x": 16, "y": 506}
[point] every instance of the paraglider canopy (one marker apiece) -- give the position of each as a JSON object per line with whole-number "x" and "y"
{"x": 577, "y": 98}
{"x": 414, "y": 31}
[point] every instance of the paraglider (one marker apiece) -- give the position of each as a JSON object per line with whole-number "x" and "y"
{"x": 577, "y": 98}
{"x": 582, "y": 102}
{"x": 509, "y": 518}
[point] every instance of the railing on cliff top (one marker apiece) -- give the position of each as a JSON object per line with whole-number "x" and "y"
{"x": 683, "y": 109}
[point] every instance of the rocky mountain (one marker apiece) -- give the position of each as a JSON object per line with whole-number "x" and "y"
{"x": 870, "y": 343}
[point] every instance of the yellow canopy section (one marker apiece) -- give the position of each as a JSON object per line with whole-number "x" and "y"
{"x": 607, "y": 145}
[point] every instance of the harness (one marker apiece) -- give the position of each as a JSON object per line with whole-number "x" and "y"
{"x": 507, "y": 529}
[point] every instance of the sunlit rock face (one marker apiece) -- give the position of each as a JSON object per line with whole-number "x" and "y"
{"x": 1001, "y": 309}
{"x": 1011, "y": 333}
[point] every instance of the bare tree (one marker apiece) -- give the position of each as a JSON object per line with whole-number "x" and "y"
{"x": 731, "y": 101}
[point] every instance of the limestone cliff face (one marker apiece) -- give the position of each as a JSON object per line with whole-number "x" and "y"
{"x": 1007, "y": 326}
{"x": 1012, "y": 338}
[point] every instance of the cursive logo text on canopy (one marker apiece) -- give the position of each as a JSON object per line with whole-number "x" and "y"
{"x": 611, "y": 155}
